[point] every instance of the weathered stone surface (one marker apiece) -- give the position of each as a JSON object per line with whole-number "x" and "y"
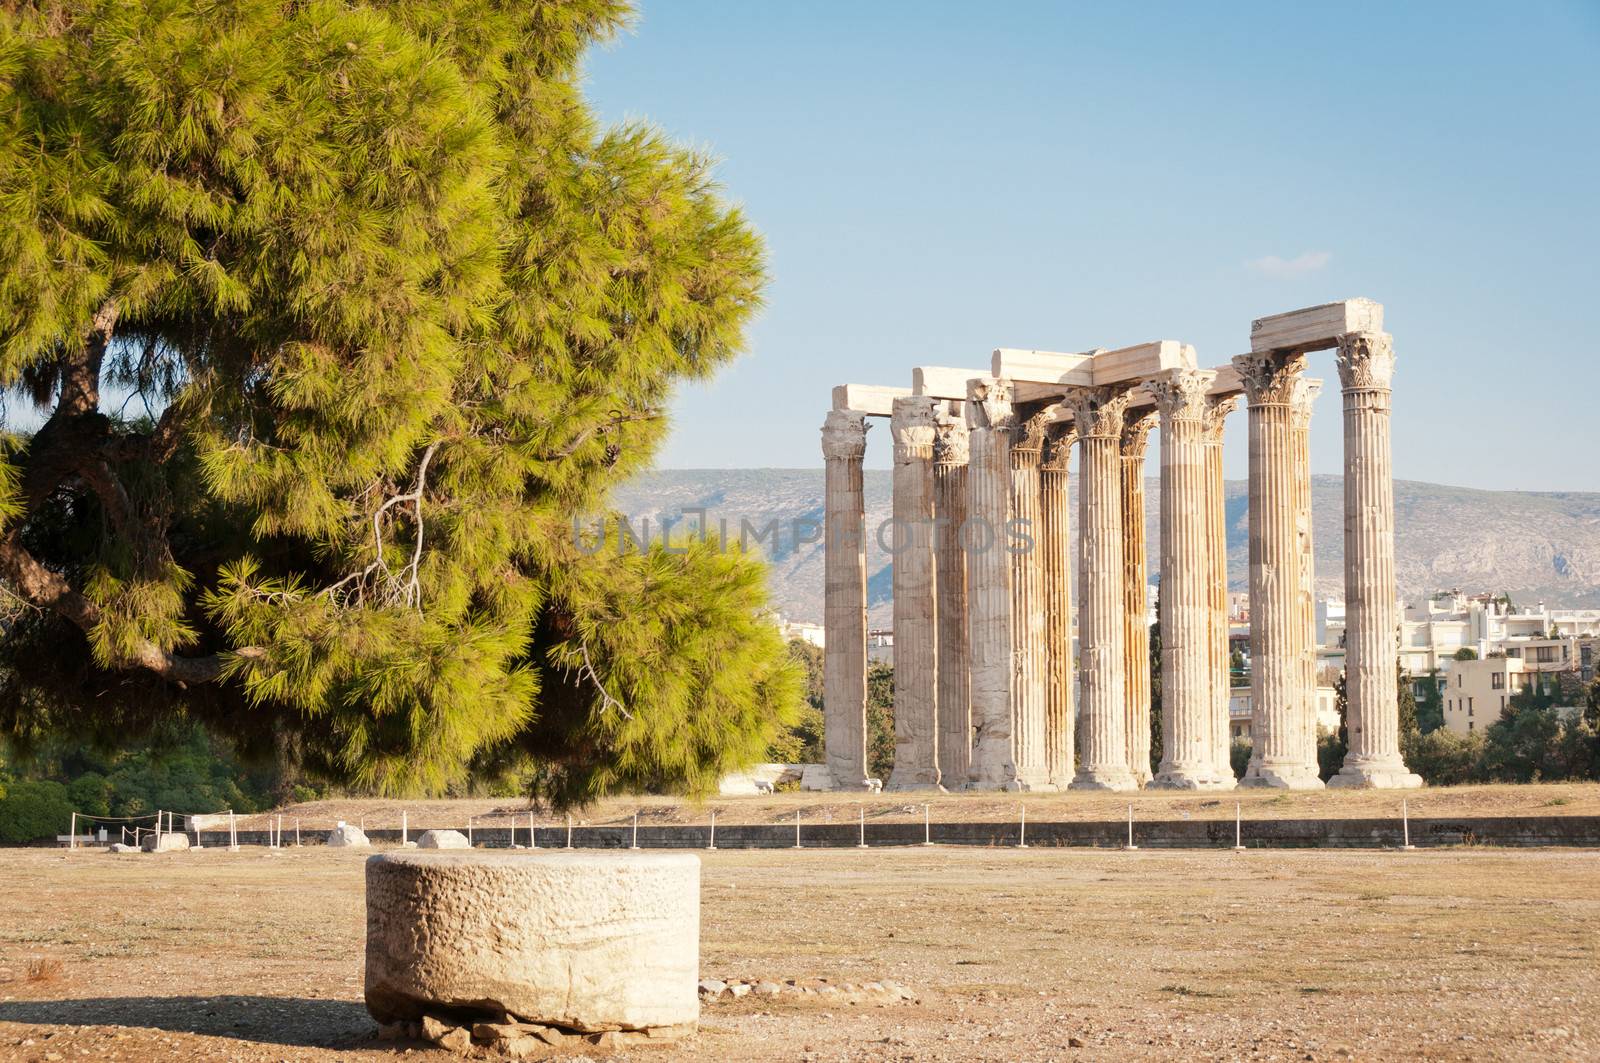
{"x": 585, "y": 941}
{"x": 119, "y": 847}
{"x": 442, "y": 839}
{"x": 712, "y": 988}
{"x": 165, "y": 843}
{"x": 457, "y": 1040}
{"x": 346, "y": 836}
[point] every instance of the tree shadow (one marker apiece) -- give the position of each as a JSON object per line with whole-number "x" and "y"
{"x": 291, "y": 1021}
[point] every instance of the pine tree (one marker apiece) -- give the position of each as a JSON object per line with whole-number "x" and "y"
{"x": 338, "y": 315}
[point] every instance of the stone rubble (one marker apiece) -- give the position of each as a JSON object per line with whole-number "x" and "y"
{"x": 877, "y": 993}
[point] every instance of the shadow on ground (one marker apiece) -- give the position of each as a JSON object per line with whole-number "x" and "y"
{"x": 291, "y": 1021}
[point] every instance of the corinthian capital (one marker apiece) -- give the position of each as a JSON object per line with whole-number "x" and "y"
{"x": 1033, "y": 429}
{"x": 912, "y": 426}
{"x": 1058, "y": 448}
{"x": 1136, "y": 427}
{"x": 1269, "y": 377}
{"x": 950, "y": 438}
{"x": 1180, "y": 394}
{"x": 989, "y": 403}
{"x": 1098, "y": 412}
{"x": 844, "y": 435}
{"x": 1366, "y": 361}
{"x": 1216, "y": 417}
{"x": 1306, "y": 391}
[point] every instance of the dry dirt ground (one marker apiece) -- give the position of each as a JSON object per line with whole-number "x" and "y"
{"x": 1550, "y": 799}
{"x": 1036, "y": 954}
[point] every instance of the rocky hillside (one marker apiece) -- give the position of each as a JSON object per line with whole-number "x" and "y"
{"x": 1531, "y": 545}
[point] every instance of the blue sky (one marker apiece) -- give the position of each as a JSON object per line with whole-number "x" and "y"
{"x": 938, "y": 179}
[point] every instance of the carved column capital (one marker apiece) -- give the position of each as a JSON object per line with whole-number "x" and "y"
{"x": 1098, "y": 412}
{"x": 1366, "y": 361}
{"x": 1216, "y": 418}
{"x": 1181, "y": 393}
{"x": 950, "y": 437}
{"x": 912, "y": 425}
{"x": 1305, "y": 394}
{"x": 1269, "y": 378}
{"x": 1058, "y": 448}
{"x": 990, "y": 403}
{"x": 1136, "y": 426}
{"x": 1032, "y": 433}
{"x": 844, "y": 435}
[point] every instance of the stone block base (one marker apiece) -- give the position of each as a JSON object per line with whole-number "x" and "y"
{"x": 1375, "y": 777}
{"x": 1179, "y": 779}
{"x": 1282, "y": 777}
{"x": 582, "y": 941}
{"x": 165, "y": 842}
{"x": 1115, "y": 779}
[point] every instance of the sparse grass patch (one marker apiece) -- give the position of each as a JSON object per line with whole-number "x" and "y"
{"x": 44, "y": 969}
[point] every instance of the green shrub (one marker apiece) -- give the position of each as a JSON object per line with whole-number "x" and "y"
{"x": 1445, "y": 758}
{"x": 33, "y": 810}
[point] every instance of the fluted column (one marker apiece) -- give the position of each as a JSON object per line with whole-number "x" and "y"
{"x": 1187, "y": 762}
{"x": 991, "y": 421}
{"x": 1055, "y": 513}
{"x": 1305, "y": 394}
{"x": 1103, "y": 756}
{"x": 844, "y": 736}
{"x": 949, "y": 514}
{"x": 1135, "y": 588}
{"x": 1278, "y": 758}
{"x": 1366, "y": 369}
{"x": 916, "y": 660}
{"x": 1027, "y": 608}
{"x": 1216, "y": 417}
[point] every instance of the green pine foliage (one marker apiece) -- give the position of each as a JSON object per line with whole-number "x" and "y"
{"x": 339, "y": 316}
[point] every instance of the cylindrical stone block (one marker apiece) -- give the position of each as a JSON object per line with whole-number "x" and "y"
{"x": 1135, "y": 583}
{"x": 583, "y": 941}
{"x": 916, "y": 687}
{"x": 1055, "y": 513}
{"x": 1103, "y": 745}
{"x": 1277, "y": 674}
{"x": 1366, "y": 367}
{"x": 844, "y": 666}
{"x": 949, "y": 516}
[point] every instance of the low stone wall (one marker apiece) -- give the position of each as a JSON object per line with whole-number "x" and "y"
{"x": 1509, "y": 831}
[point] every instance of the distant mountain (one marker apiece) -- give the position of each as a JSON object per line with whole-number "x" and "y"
{"x": 1534, "y": 546}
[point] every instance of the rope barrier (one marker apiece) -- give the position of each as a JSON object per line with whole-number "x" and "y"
{"x": 623, "y": 831}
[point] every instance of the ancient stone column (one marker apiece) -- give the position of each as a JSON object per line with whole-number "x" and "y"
{"x": 844, "y": 678}
{"x": 1216, "y": 417}
{"x": 1135, "y": 587}
{"x": 1276, "y": 675}
{"x": 1103, "y": 751}
{"x": 1055, "y": 513}
{"x": 1187, "y": 701}
{"x": 991, "y": 421}
{"x": 1305, "y": 394}
{"x": 949, "y": 514}
{"x": 916, "y": 660}
{"x": 1028, "y": 652}
{"x": 1366, "y": 368}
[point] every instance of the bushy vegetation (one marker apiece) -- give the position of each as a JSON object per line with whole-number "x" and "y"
{"x": 182, "y": 770}
{"x": 338, "y": 317}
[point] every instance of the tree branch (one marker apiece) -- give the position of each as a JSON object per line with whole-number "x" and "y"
{"x": 49, "y": 590}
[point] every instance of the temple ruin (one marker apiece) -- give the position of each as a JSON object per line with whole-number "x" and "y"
{"x": 987, "y": 694}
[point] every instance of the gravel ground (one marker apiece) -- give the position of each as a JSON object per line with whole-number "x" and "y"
{"x": 1042, "y": 954}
